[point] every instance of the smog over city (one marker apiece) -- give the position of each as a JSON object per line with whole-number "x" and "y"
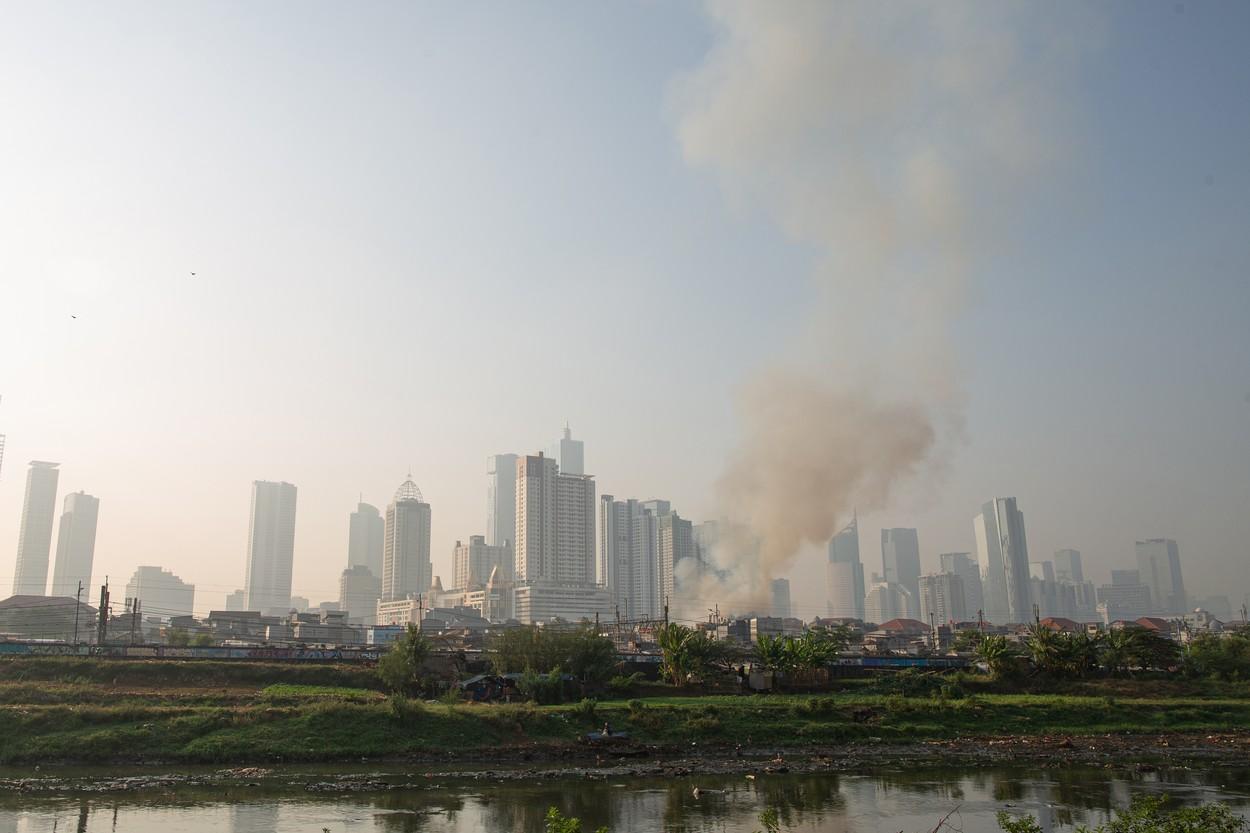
{"x": 734, "y": 318}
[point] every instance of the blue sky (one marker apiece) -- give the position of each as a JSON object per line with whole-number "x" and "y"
{"x": 424, "y": 234}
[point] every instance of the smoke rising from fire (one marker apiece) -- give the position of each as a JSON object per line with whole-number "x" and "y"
{"x": 887, "y": 138}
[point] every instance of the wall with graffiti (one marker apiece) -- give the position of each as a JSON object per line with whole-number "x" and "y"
{"x": 50, "y": 649}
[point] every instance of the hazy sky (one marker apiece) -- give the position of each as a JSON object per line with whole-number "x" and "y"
{"x": 423, "y": 234}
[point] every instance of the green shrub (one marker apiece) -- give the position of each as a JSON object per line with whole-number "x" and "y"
{"x": 556, "y": 822}
{"x": 585, "y": 710}
{"x": 620, "y": 686}
{"x": 703, "y": 725}
{"x": 400, "y": 667}
{"x": 544, "y": 689}
{"x": 1147, "y": 814}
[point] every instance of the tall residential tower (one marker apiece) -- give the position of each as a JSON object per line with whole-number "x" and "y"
{"x": 34, "y": 542}
{"x": 75, "y": 545}
{"x": 845, "y": 574}
{"x": 271, "y": 548}
{"x": 900, "y": 563}
{"x": 500, "y": 499}
{"x": 366, "y": 533}
{"x": 1003, "y": 555}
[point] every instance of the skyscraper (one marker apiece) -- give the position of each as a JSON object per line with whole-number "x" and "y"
{"x": 555, "y": 544}
{"x": 628, "y": 557}
{"x": 366, "y": 534}
{"x": 271, "y": 548}
{"x": 845, "y": 574}
{"x": 942, "y": 599}
{"x": 34, "y": 542}
{"x": 1068, "y": 566}
{"x": 886, "y": 601}
{"x": 900, "y": 562}
{"x": 569, "y": 454}
{"x": 575, "y": 528}
{"x": 163, "y": 594}
{"x": 1003, "y": 555}
{"x": 780, "y": 588}
{"x": 676, "y": 553}
{"x": 406, "y": 568}
{"x": 962, "y": 564}
{"x": 536, "y": 518}
{"x": 75, "y": 545}
{"x": 359, "y": 591}
{"x": 1159, "y": 563}
{"x": 500, "y": 499}
{"x": 472, "y": 563}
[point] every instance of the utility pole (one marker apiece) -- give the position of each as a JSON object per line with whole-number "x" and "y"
{"x": 134, "y": 619}
{"x": 666, "y": 611}
{"x": 77, "y": 604}
{"x": 102, "y": 625}
{"x": 1037, "y": 614}
{"x": 981, "y": 621}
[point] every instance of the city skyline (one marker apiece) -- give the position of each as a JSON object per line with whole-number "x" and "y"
{"x": 385, "y": 205}
{"x": 899, "y": 551}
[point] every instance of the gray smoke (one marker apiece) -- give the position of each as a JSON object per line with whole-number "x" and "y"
{"x": 873, "y": 133}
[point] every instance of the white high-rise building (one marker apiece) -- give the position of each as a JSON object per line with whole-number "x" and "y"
{"x": 845, "y": 574}
{"x": 406, "y": 567}
{"x": 886, "y": 601}
{"x": 676, "y": 553}
{"x": 942, "y": 599}
{"x": 900, "y": 562}
{"x": 536, "y": 518}
{"x": 473, "y": 563}
{"x": 366, "y": 536}
{"x": 501, "y": 499}
{"x": 555, "y": 544}
{"x": 1159, "y": 565}
{"x": 962, "y": 564}
{"x": 1003, "y": 555}
{"x": 75, "y": 545}
{"x": 575, "y": 528}
{"x": 569, "y": 453}
{"x": 34, "y": 542}
{"x": 161, "y": 593}
{"x": 629, "y": 565}
{"x": 271, "y": 548}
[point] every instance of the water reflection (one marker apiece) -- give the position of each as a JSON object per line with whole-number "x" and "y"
{"x": 882, "y": 802}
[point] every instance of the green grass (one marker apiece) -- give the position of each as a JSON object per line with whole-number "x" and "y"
{"x": 287, "y": 692}
{"x": 187, "y": 673}
{"x": 81, "y": 722}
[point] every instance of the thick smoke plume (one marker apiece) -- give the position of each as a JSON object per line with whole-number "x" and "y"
{"x": 873, "y": 134}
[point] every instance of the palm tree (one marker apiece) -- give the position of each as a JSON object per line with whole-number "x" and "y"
{"x": 1119, "y": 649}
{"x": 1045, "y": 648}
{"x": 997, "y": 654}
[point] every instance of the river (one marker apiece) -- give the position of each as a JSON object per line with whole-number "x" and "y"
{"x": 881, "y": 802}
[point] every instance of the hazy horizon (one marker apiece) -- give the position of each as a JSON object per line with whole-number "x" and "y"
{"x": 421, "y": 236}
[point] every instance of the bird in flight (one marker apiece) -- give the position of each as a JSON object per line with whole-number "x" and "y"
{"x": 73, "y": 316}
{"x": 193, "y": 274}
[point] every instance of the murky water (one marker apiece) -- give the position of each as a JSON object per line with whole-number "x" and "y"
{"x": 884, "y": 802}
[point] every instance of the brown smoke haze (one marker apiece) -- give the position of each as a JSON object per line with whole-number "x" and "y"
{"x": 886, "y": 138}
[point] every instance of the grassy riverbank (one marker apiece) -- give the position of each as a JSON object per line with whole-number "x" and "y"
{"x": 83, "y": 720}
